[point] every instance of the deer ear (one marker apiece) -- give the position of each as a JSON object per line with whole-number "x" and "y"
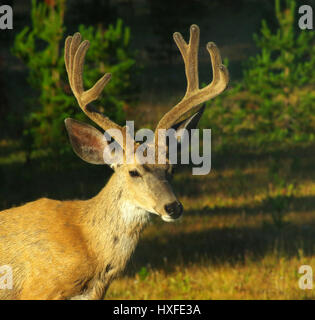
{"x": 183, "y": 131}
{"x": 87, "y": 142}
{"x": 191, "y": 122}
{"x": 187, "y": 124}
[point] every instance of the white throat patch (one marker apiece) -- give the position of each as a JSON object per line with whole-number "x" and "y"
{"x": 133, "y": 214}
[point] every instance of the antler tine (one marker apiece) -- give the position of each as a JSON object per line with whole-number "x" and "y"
{"x": 195, "y": 96}
{"x": 75, "y": 52}
{"x": 190, "y": 57}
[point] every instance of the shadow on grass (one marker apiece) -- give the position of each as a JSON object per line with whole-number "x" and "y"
{"x": 240, "y": 157}
{"x": 222, "y": 245}
{"x": 21, "y": 183}
{"x": 297, "y": 204}
{"x": 233, "y": 185}
{"x": 248, "y": 173}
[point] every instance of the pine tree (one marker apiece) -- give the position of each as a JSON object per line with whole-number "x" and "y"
{"x": 275, "y": 102}
{"x": 40, "y": 48}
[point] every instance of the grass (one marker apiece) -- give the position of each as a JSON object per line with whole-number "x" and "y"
{"x": 270, "y": 278}
{"x": 247, "y": 228}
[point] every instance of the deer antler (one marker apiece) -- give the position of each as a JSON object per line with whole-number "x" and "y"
{"x": 195, "y": 96}
{"x": 75, "y": 52}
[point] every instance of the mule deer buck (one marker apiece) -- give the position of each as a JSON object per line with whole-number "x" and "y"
{"x": 74, "y": 249}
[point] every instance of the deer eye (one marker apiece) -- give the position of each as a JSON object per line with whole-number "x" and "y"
{"x": 134, "y": 173}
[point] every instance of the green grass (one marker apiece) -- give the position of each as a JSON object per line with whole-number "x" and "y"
{"x": 247, "y": 226}
{"x": 270, "y": 278}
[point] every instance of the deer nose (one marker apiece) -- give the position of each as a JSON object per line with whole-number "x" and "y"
{"x": 174, "y": 209}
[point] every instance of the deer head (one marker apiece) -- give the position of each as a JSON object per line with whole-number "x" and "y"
{"x": 147, "y": 184}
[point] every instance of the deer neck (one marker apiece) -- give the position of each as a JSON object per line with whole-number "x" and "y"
{"x": 113, "y": 223}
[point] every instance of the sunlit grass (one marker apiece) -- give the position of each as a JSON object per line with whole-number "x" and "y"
{"x": 273, "y": 277}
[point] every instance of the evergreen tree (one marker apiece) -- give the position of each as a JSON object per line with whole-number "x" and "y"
{"x": 275, "y": 102}
{"x": 40, "y": 48}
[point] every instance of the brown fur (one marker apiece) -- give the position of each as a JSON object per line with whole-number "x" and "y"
{"x": 62, "y": 249}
